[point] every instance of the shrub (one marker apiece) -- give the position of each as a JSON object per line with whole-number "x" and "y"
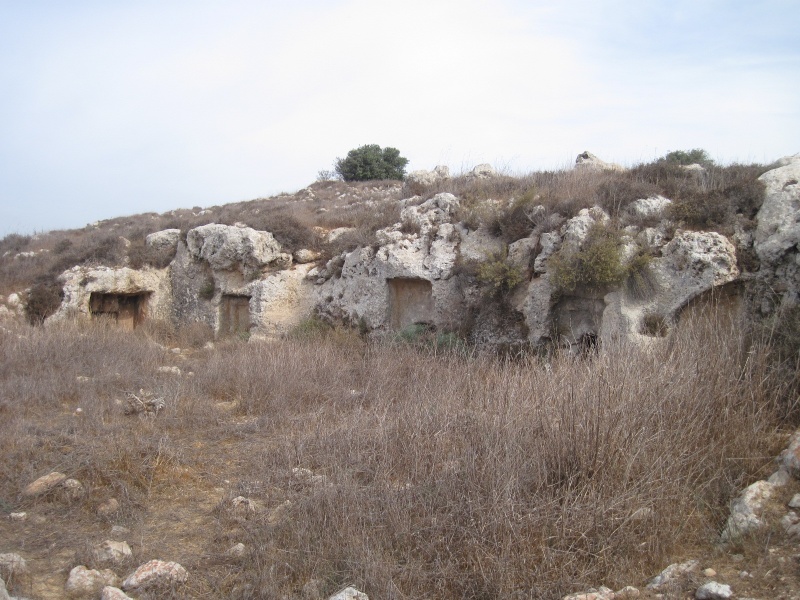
{"x": 688, "y": 157}
{"x": 640, "y": 282}
{"x": 43, "y": 300}
{"x": 499, "y": 275}
{"x": 514, "y": 223}
{"x": 598, "y": 264}
{"x": 371, "y": 162}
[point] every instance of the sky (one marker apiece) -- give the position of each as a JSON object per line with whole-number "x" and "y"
{"x": 111, "y": 108}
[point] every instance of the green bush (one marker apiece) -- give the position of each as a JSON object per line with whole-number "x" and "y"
{"x": 688, "y": 157}
{"x": 498, "y": 275}
{"x": 598, "y": 264}
{"x": 371, "y": 162}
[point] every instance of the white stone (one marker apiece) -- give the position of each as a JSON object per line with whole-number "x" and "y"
{"x": 652, "y": 206}
{"x": 587, "y": 160}
{"x": 113, "y": 593}
{"x": 672, "y": 573}
{"x": 778, "y": 229}
{"x": 155, "y": 574}
{"x": 164, "y": 241}
{"x": 112, "y": 552}
{"x": 483, "y": 171}
{"x": 713, "y": 591}
{"x": 349, "y": 593}
{"x": 170, "y": 370}
{"x": 227, "y": 248}
{"x": 747, "y": 509}
{"x": 87, "y": 583}
{"x": 795, "y": 501}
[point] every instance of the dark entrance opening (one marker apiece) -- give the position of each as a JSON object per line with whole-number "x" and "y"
{"x": 126, "y": 310}
{"x": 410, "y": 302}
{"x": 234, "y": 315}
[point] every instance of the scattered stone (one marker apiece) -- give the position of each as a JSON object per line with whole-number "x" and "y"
{"x": 710, "y": 573}
{"x": 18, "y": 516}
{"x": 672, "y": 574}
{"x": 44, "y": 484}
{"x": 108, "y": 508}
{"x": 746, "y": 512}
{"x": 483, "y": 171}
{"x": 587, "y": 160}
{"x": 349, "y": 593}
{"x": 242, "y": 504}
{"x": 713, "y": 591}
{"x": 795, "y": 501}
{"x": 603, "y": 593}
{"x": 12, "y": 566}
{"x": 304, "y": 256}
{"x": 780, "y": 478}
{"x": 87, "y": 583}
{"x": 627, "y": 593}
{"x": 653, "y": 206}
{"x": 155, "y": 574}
{"x": 170, "y": 370}
{"x": 143, "y": 404}
{"x": 73, "y": 489}
{"x": 113, "y": 593}
{"x": 112, "y": 552}
{"x": 118, "y": 531}
{"x": 237, "y": 550}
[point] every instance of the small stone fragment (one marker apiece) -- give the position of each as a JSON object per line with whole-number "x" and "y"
{"x": 671, "y": 573}
{"x": 156, "y": 574}
{"x": 349, "y": 594}
{"x": 73, "y": 489}
{"x": 44, "y": 484}
{"x": 710, "y": 573}
{"x": 627, "y": 593}
{"x": 113, "y": 593}
{"x": 713, "y": 591}
{"x": 85, "y": 583}
{"x": 780, "y": 478}
{"x": 795, "y": 501}
{"x": 112, "y": 552}
{"x": 237, "y": 550}
{"x": 18, "y": 516}
{"x": 109, "y": 507}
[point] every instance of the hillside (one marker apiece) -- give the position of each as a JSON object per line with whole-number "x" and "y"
{"x": 477, "y": 386}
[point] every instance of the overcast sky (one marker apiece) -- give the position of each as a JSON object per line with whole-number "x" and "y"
{"x": 110, "y": 108}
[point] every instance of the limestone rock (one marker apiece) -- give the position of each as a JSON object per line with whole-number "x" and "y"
{"x": 672, "y": 575}
{"x": 335, "y": 234}
{"x": 304, "y": 256}
{"x": 44, "y": 484}
{"x": 778, "y": 229}
{"x": 73, "y": 489}
{"x": 113, "y": 593}
{"x": 237, "y": 550}
{"x": 12, "y": 566}
{"x": 550, "y": 243}
{"x": 165, "y": 241}
{"x": 112, "y": 552}
{"x": 349, "y": 593}
{"x": 3, "y": 591}
{"x": 87, "y": 583}
{"x": 521, "y": 251}
{"x": 713, "y": 591}
{"x": 155, "y": 574}
{"x": 482, "y": 171}
{"x": 423, "y": 177}
{"x": 576, "y": 230}
{"x": 603, "y": 593}
{"x": 229, "y": 248}
{"x": 652, "y": 206}
{"x": 587, "y": 160}
{"x": 747, "y": 509}
{"x": 790, "y": 457}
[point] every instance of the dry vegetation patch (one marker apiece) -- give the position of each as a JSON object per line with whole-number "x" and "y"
{"x": 407, "y": 472}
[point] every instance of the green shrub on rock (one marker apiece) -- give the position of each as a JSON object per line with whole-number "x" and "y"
{"x": 596, "y": 265}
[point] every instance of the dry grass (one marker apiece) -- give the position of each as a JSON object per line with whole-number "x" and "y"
{"x": 444, "y": 474}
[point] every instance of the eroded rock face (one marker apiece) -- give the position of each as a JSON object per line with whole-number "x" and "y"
{"x": 226, "y": 248}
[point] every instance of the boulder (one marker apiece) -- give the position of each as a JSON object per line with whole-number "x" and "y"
{"x": 778, "y": 229}
{"x": 423, "y": 177}
{"x": 673, "y": 575}
{"x": 111, "y": 552}
{"x": 165, "y": 241}
{"x": 228, "y": 248}
{"x": 113, "y": 593}
{"x": 155, "y": 574}
{"x": 747, "y": 510}
{"x": 44, "y": 484}
{"x": 587, "y": 160}
{"x": 483, "y": 171}
{"x": 12, "y": 566}
{"x": 87, "y": 583}
{"x": 713, "y": 591}
{"x": 650, "y": 207}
